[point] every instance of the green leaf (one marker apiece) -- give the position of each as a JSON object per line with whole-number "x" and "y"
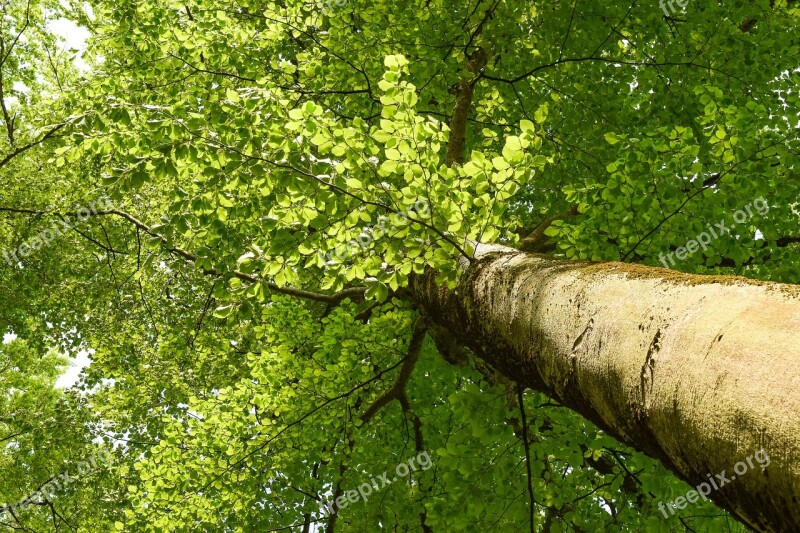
{"x": 541, "y": 113}
{"x": 232, "y": 95}
{"x": 527, "y": 126}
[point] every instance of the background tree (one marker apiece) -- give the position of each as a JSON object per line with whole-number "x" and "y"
{"x": 50, "y": 480}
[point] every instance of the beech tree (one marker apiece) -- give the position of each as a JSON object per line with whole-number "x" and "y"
{"x": 419, "y": 266}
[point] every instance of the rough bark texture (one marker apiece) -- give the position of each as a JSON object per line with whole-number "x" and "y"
{"x": 699, "y": 372}
{"x": 465, "y": 90}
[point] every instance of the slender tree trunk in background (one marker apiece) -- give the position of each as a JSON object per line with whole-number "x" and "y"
{"x": 699, "y": 372}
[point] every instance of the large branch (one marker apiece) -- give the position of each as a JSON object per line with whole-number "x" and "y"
{"x": 332, "y": 299}
{"x": 698, "y": 372}
{"x": 354, "y": 293}
{"x": 17, "y": 151}
{"x": 464, "y": 90}
{"x": 536, "y": 240}
{"x": 398, "y": 389}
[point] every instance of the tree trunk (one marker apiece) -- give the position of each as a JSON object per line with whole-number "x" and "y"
{"x": 699, "y": 372}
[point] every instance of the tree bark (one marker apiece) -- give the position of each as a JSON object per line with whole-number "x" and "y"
{"x": 699, "y": 372}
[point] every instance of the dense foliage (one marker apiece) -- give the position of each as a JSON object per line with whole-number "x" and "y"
{"x": 275, "y": 174}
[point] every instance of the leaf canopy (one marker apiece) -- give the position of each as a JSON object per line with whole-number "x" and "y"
{"x": 277, "y": 174}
